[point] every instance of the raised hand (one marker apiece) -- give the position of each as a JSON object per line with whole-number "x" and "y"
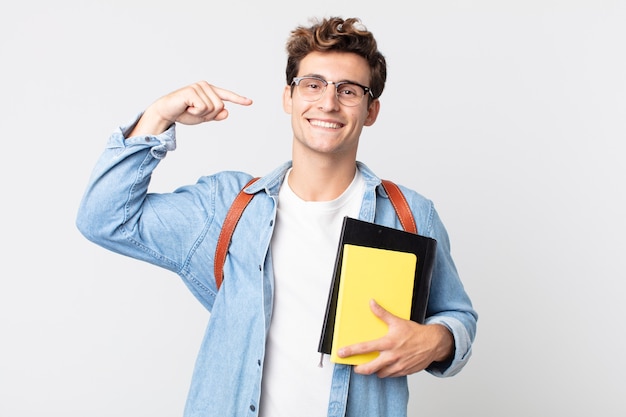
{"x": 196, "y": 103}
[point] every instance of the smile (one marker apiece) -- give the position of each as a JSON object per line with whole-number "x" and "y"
{"x": 327, "y": 125}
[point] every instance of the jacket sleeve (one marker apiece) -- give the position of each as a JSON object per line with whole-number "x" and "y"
{"x": 117, "y": 212}
{"x": 449, "y": 303}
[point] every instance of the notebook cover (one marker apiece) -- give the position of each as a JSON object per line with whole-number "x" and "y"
{"x": 370, "y": 273}
{"x": 362, "y": 233}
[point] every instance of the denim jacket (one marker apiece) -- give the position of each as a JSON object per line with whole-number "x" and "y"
{"x": 179, "y": 230}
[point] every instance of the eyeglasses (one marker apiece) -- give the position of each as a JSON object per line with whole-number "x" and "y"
{"x": 348, "y": 93}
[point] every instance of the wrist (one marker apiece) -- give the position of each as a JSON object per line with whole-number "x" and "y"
{"x": 444, "y": 349}
{"x": 151, "y": 123}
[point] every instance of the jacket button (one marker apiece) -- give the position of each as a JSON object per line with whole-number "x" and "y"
{"x": 252, "y": 407}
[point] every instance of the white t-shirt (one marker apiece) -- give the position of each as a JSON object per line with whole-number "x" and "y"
{"x": 304, "y": 246}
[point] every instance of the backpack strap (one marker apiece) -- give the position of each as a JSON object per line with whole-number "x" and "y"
{"x": 228, "y": 228}
{"x": 398, "y": 201}
{"x": 401, "y": 206}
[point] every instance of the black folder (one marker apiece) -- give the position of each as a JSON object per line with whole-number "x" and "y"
{"x": 362, "y": 233}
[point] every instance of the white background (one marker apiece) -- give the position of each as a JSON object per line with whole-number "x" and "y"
{"x": 510, "y": 115}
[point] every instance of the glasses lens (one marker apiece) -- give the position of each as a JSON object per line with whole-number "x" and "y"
{"x": 349, "y": 94}
{"x": 311, "y": 89}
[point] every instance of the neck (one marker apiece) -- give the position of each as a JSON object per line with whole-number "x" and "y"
{"x": 313, "y": 180}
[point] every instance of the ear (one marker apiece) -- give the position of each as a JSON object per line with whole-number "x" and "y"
{"x": 372, "y": 112}
{"x": 287, "y": 99}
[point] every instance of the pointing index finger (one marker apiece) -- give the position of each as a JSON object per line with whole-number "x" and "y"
{"x": 230, "y": 96}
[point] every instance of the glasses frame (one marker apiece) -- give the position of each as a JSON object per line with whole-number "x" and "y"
{"x": 366, "y": 90}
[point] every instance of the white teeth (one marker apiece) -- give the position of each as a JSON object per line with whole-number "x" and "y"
{"x": 327, "y": 125}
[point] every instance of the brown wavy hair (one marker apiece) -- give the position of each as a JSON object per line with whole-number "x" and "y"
{"x": 337, "y": 34}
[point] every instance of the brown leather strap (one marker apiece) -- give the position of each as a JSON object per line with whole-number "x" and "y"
{"x": 396, "y": 197}
{"x": 228, "y": 228}
{"x": 401, "y": 206}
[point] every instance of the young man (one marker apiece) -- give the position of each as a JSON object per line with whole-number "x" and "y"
{"x": 259, "y": 355}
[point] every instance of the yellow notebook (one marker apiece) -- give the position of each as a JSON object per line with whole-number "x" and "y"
{"x": 386, "y": 276}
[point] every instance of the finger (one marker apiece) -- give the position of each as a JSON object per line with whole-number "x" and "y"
{"x": 223, "y": 95}
{"x": 384, "y": 366}
{"x": 221, "y": 115}
{"x": 371, "y": 345}
{"x": 232, "y": 97}
{"x": 204, "y": 102}
{"x": 214, "y": 98}
{"x": 369, "y": 368}
{"x": 359, "y": 348}
{"x": 380, "y": 312}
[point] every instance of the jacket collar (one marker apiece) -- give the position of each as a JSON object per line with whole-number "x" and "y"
{"x": 271, "y": 182}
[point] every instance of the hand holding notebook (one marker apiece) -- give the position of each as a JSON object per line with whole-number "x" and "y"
{"x": 388, "y": 265}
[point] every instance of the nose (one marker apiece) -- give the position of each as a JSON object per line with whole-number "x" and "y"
{"x": 329, "y": 100}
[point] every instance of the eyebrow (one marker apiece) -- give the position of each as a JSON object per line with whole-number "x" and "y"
{"x": 324, "y": 78}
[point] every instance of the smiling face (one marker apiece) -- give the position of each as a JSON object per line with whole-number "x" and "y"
{"x": 325, "y": 126}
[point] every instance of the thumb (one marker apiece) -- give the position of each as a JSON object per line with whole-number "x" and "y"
{"x": 221, "y": 115}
